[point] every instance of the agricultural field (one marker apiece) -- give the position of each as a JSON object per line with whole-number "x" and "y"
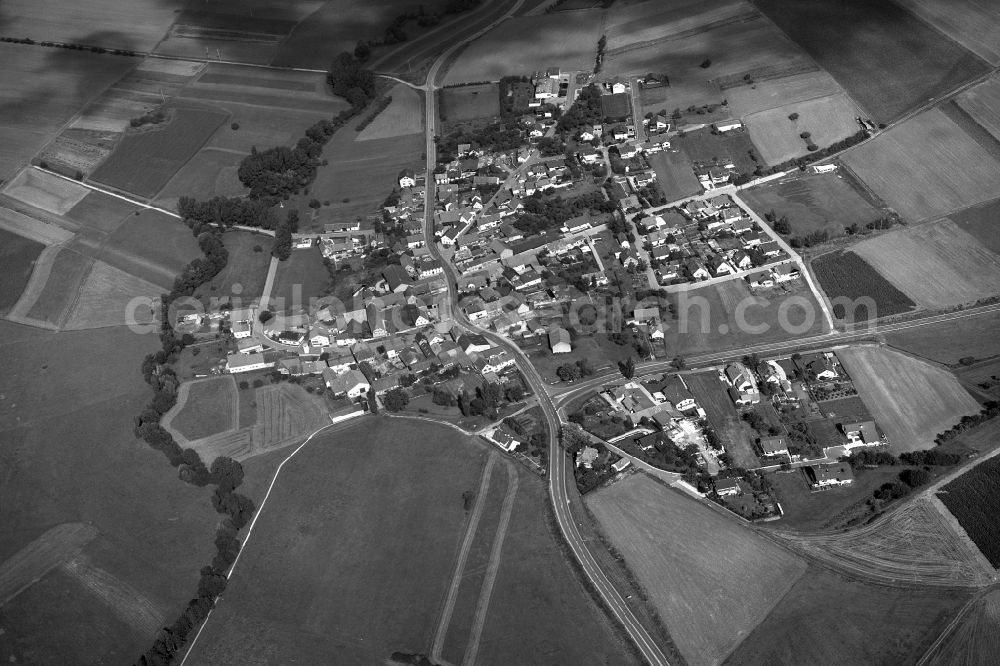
{"x": 975, "y": 640}
{"x": 707, "y": 317}
{"x": 703, "y": 147}
{"x": 210, "y": 173}
{"x": 45, "y": 191}
{"x": 972, "y": 498}
{"x": 711, "y": 578}
{"x": 469, "y": 102}
{"x": 301, "y": 277}
{"x": 937, "y": 265}
{"x": 526, "y": 44}
{"x": 146, "y": 159}
{"x": 17, "y": 255}
{"x": 949, "y": 341}
{"x": 981, "y": 222}
{"x": 982, "y": 103}
{"x": 971, "y": 23}
{"x": 397, "y": 487}
{"x": 913, "y": 400}
{"x": 106, "y": 298}
{"x": 711, "y": 395}
{"x": 42, "y": 89}
{"x": 913, "y": 544}
{"x": 826, "y": 614}
{"x": 826, "y": 119}
{"x": 204, "y": 407}
{"x": 129, "y": 248}
{"x": 674, "y": 174}
{"x": 845, "y": 275}
{"x": 404, "y": 115}
{"x": 68, "y": 425}
{"x": 869, "y": 47}
{"x": 56, "y": 300}
{"x": 285, "y": 414}
{"x": 814, "y": 202}
{"x": 244, "y": 275}
{"x": 100, "y": 212}
{"x": 767, "y": 92}
{"x": 894, "y": 165}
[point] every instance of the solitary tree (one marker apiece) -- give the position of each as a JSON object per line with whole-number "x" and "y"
{"x": 396, "y": 399}
{"x": 627, "y": 367}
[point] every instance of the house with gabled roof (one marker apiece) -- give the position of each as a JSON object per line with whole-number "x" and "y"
{"x": 560, "y": 341}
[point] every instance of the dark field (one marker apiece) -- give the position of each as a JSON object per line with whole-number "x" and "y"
{"x": 704, "y": 147}
{"x": 616, "y": 107}
{"x": 150, "y": 245}
{"x": 826, "y": 619}
{"x": 982, "y": 222}
{"x": 57, "y": 297}
{"x": 845, "y": 274}
{"x": 144, "y": 161}
{"x": 885, "y": 57}
{"x": 949, "y": 341}
{"x": 674, "y": 174}
{"x": 469, "y": 102}
{"x": 974, "y": 499}
{"x": 300, "y": 277}
{"x": 100, "y": 211}
{"x": 17, "y": 256}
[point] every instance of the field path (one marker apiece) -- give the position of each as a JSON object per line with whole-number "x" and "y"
{"x": 486, "y": 592}
{"x": 463, "y": 556}
{"x": 31, "y": 563}
{"x": 167, "y": 419}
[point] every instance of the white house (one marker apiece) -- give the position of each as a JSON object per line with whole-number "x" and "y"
{"x": 238, "y": 363}
{"x": 728, "y": 125}
{"x": 407, "y": 178}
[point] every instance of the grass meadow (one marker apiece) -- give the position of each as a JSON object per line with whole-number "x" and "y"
{"x": 17, "y": 255}
{"x": 469, "y": 102}
{"x": 300, "y": 277}
{"x": 101, "y": 212}
{"x": 981, "y": 222}
{"x": 210, "y": 406}
{"x": 674, "y": 174}
{"x": 57, "y": 298}
{"x": 711, "y": 578}
{"x": 975, "y": 638}
{"x": 950, "y": 341}
{"x": 244, "y": 275}
{"x": 971, "y": 23}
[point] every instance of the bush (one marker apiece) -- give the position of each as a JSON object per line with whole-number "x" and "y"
{"x": 805, "y": 135}
{"x": 314, "y": 203}
{"x": 811, "y": 147}
{"x": 706, "y": 63}
{"x": 793, "y": 117}
{"x": 235, "y": 126}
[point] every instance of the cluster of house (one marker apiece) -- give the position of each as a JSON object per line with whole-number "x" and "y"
{"x": 704, "y": 239}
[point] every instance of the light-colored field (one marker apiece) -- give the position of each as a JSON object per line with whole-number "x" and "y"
{"x": 236, "y": 444}
{"x": 55, "y": 301}
{"x": 105, "y": 297}
{"x": 29, "y": 227}
{"x": 774, "y": 93}
{"x": 912, "y": 400}
{"x": 983, "y": 104}
{"x": 937, "y": 265}
{"x": 828, "y": 120}
{"x": 404, "y": 115}
{"x": 285, "y": 413}
{"x": 92, "y": 22}
{"x": 529, "y": 43}
{"x": 204, "y": 407}
{"x": 185, "y": 68}
{"x": 712, "y": 579}
{"x": 43, "y": 190}
{"x": 975, "y": 24}
{"x": 912, "y": 545}
{"x": 975, "y": 640}
{"x": 57, "y": 545}
{"x": 926, "y": 167}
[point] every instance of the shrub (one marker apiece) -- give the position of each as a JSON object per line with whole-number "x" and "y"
{"x": 811, "y": 147}
{"x": 235, "y": 126}
{"x": 793, "y": 117}
{"x": 706, "y": 63}
{"x": 314, "y": 203}
{"x": 805, "y": 135}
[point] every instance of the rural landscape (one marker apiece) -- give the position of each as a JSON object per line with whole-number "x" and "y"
{"x": 528, "y": 331}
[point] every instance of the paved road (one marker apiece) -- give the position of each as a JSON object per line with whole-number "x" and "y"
{"x": 559, "y": 474}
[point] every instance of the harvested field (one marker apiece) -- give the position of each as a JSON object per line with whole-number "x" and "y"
{"x": 101, "y": 212}
{"x": 244, "y": 275}
{"x": 285, "y": 414}
{"x": 33, "y": 561}
{"x": 469, "y": 102}
{"x": 711, "y": 395}
{"x": 404, "y": 115}
{"x": 975, "y": 24}
{"x": 961, "y": 174}
{"x": 777, "y": 92}
{"x": 982, "y": 222}
{"x": 983, "y": 104}
{"x": 42, "y": 89}
{"x": 845, "y": 276}
{"x": 886, "y": 58}
{"x": 912, "y": 545}
{"x": 17, "y": 256}
{"x": 57, "y": 298}
{"x": 825, "y": 614}
{"x": 814, "y": 202}
{"x": 301, "y": 277}
{"x": 937, "y": 264}
{"x": 145, "y": 160}
{"x": 827, "y": 120}
{"x": 236, "y": 444}
{"x": 45, "y": 191}
{"x": 210, "y": 173}
{"x": 712, "y": 579}
{"x": 973, "y": 499}
{"x": 949, "y": 341}
{"x": 206, "y": 407}
{"x": 913, "y": 401}
{"x": 105, "y": 296}
{"x": 524, "y": 44}
{"x": 975, "y": 640}
{"x": 674, "y": 174}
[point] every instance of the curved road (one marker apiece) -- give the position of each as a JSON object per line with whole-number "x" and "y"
{"x": 559, "y": 476}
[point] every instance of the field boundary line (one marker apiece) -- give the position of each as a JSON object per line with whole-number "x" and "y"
{"x": 256, "y": 515}
{"x": 456, "y": 579}
{"x": 102, "y": 190}
{"x": 486, "y": 591}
